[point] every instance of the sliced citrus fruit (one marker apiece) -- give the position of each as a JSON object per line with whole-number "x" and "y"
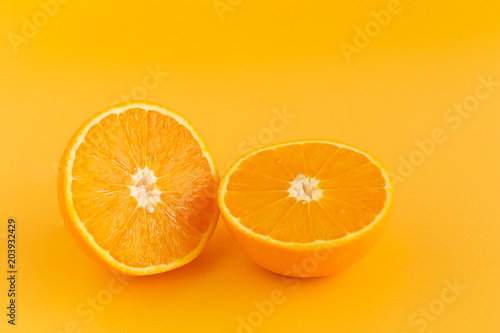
{"x": 137, "y": 188}
{"x": 306, "y": 208}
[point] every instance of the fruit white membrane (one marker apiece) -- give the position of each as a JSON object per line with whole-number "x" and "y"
{"x": 305, "y": 188}
{"x": 144, "y": 189}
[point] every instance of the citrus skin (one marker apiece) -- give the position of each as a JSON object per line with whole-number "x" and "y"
{"x": 308, "y": 260}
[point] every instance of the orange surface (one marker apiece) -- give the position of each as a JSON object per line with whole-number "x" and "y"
{"x": 137, "y": 189}
{"x": 422, "y": 95}
{"x": 347, "y": 191}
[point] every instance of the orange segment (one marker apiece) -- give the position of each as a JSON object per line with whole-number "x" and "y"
{"x": 137, "y": 187}
{"x": 301, "y": 195}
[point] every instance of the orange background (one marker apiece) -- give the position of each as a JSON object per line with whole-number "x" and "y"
{"x": 229, "y": 72}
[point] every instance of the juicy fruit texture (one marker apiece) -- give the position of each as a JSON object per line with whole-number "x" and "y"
{"x": 137, "y": 188}
{"x": 313, "y": 203}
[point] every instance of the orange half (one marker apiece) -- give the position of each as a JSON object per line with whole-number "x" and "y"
{"x": 137, "y": 189}
{"x": 306, "y": 208}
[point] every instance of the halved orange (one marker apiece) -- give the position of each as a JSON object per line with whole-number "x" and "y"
{"x": 306, "y": 208}
{"x": 137, "y": 188}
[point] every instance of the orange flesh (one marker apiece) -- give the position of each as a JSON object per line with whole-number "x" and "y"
{"x": 349, "y": 194}
{"x": 113, "y": 151}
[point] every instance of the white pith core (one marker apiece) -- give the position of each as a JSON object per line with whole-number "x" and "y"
{"x": 305, "y": 188}
{"x": 144, "y": 189}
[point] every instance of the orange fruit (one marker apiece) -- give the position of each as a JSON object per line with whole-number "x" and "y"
{"x": 306, "y": 208}
{"x": 137, "y": 188}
